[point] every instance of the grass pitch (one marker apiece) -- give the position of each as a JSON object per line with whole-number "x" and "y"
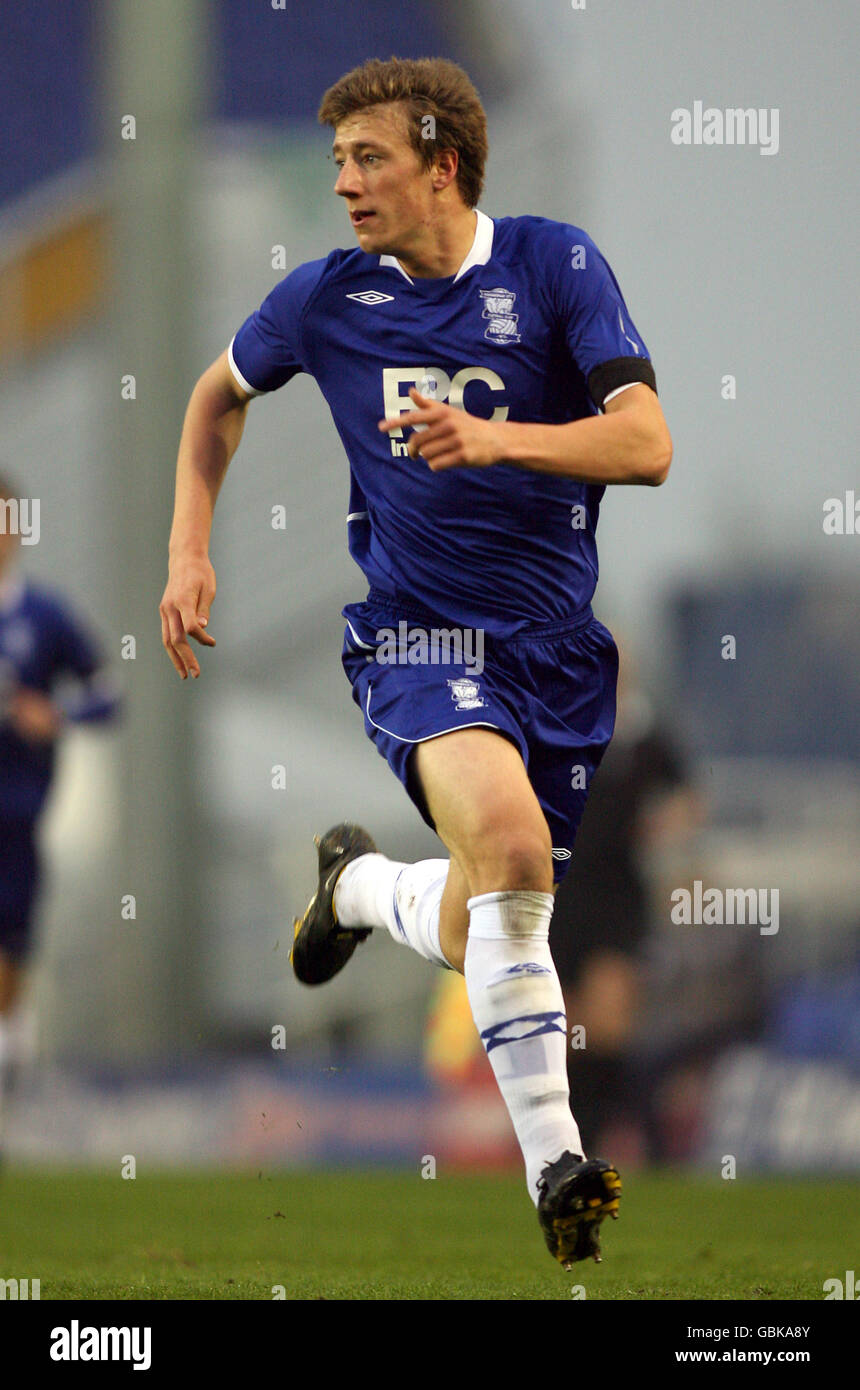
{"x": 395, "y": 1236}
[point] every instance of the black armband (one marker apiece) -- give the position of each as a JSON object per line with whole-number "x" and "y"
{"x": 621, "y": 371}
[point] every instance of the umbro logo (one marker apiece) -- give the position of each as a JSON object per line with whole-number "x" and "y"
{"x": 371, "y": 297}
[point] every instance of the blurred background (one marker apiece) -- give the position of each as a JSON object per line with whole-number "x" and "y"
{"x": 159, "y": 161}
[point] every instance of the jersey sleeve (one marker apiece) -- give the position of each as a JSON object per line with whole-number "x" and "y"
{"x": 94, "y": 696}
{"x": 76, "y": 651}
{"x": 267, "y": 350}
{"x": 601, "y": 336}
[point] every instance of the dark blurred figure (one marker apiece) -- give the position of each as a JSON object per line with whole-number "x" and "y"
{"x": 43, "y": 645}
{"x": 640, "y": 798}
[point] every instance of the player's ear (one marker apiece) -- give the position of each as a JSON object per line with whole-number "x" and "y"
{"x": 445, "y": 165}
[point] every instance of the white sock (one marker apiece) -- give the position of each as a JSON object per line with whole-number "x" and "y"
{"x": 518, "y": 1008}
{"x": 374, "y": 891}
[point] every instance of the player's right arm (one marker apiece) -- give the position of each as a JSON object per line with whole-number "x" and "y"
{"x": 211, "y": 433}
{"x": 264, "y": 355}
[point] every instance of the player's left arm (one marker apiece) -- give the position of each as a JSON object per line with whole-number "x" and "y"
{"x": 629, "y": 443}
{"x": 34, "y": 716}
{"x": 41, "y": 718}
{"x": 89, "y": 693}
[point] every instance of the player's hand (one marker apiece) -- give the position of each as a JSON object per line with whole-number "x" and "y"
{"x": 450, "y": 438}
{"x": 34, "y": 716}
{"x": 184, "y": 610}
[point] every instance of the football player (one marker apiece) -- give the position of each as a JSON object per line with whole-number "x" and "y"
{"x": 488, "y": 383}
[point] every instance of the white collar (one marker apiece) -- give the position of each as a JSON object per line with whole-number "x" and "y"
{"x": 480, "y": 252}
{"x": 11, "y": 592}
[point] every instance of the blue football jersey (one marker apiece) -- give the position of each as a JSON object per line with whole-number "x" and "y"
{"x": 532, "y": 328}
{"x": 42, "y": 644}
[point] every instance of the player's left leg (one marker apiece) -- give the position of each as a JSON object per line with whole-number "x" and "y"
{"x": 422, "y": 905}
{"x": 11, "y": 976}
{"x": 359, "y": 890}
{"x": 425, "y": 905}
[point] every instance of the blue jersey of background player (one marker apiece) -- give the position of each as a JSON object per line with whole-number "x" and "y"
{"x": 44, "y": 647}
{"x": 517, "y": 335}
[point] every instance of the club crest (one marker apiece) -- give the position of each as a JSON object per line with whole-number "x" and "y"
{"x": 465, "y": 693}
{"x": 499, "y": 309}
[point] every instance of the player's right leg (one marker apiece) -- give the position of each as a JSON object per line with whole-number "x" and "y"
{"x": 18, "y": 888}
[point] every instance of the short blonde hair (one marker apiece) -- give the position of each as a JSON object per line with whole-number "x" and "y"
{"x": 424, "y": 87}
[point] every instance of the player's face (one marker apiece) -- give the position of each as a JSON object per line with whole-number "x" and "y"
{"x": 388, "y": 189}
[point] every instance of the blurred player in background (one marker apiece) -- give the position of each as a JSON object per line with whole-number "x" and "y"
{"x": 43, "y": 645}
{"x": 507, "y": 348}
{"x": 642, "y": 800}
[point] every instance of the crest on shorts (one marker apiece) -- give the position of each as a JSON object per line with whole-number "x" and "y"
{"x": 465, "y": 693}
{"x": 499, "y": 309}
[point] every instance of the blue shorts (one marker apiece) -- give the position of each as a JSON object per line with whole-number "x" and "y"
{"x": 19, "y": 881}
{"x": 552, "y": 693}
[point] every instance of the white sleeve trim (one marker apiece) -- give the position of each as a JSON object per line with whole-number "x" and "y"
{"x": 619, "y": 389}
{"x": 245, "y": 385}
